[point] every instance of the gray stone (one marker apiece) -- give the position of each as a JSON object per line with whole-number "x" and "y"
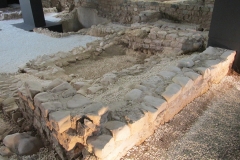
{"x": 54, "y": 83}
{"x": 167, "y": 74}
{"x": 171, "y": 92}
{"x": 62, "y": 87}
{"x": 188, "y": 63}
{"x": 108, "y": 78}
{"x": 78, "y": 101}
{"x": 174, "y": 69}
{"x": 4, "y": 151}
{"x": 43, "y": 97}
{"x": 101, "y": 145}
{"x": 152, "y": 81}
{"x": 185, "y": 82}
{"x": 32, "y": 88}
{"x": 60, "y": 120}
{"x": 133, "y": 95}
{"x": 29, "y": 146}
{"x": 192, "y": 75}
{"x": 157, "y": 103}
{"x": 119, "y": 130}
{"x": 48, "y": 107}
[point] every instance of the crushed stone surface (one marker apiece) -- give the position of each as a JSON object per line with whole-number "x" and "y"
{"x": 208, "y": 128}
{"x": 17, "y": 46}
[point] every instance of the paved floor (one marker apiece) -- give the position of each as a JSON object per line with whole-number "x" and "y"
{"x": 18, "y": 46}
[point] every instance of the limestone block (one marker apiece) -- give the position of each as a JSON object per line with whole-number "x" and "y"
{"x": 134, "y": 95}
{"x": 43, "y": 97}
{"x": 174, "y": 69}
{"x": 205, "y": 72}
{"x": 119, "y": 130}
{"x": 212, "y": 63}
{"x": 193, "y": 75}
{"x": 172, "y": 92}
{"x": 101, "y": 146}
{"x": 68, "y": 93}
{"x": 136, "y": 120}
{"x": 157, "y": 103}
{"x": 141, "y": 87}
{"x": 79, "y": 85}
{"x": 54, "y": 84}
{"x": 188, "y": 63}
{"x": 78, "y": 101}
{"x": 48, "y": 107}
{"x": 185, "y": 82}
{"x": 229, "y": 55}
{"x": 150, "y": 112}
{"x": 97, "y": 112}
{"x": 60, "y": 120}
{"x": 108, "y": 78}
{"x": 166, "y": 74}
{"x": 152, "y": 81}
{"x": 32, "y": 88}
{"x": 93, "y": 89}
{"x": 62, "y": 87}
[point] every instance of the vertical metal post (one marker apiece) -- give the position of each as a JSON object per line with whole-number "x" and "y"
{"x": 225, "y": 28}
{"x": 32, "y": 12}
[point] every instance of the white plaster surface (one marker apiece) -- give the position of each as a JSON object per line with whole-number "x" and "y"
{"x": 18, "y": 46}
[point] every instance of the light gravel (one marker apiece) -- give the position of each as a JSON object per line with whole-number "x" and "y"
{"x": 17, "y": 46}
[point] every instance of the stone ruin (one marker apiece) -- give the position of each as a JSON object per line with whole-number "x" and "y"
{"x": 78, "y": 126}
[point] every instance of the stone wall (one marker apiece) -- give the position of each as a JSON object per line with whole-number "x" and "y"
{"x": 128, "y": 12}
{"x": 77, "y": 126}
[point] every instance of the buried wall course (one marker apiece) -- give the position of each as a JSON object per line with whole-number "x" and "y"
{"x": 92, "y": 124}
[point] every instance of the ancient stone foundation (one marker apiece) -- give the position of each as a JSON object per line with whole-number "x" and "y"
{"x": 78, "y": 126}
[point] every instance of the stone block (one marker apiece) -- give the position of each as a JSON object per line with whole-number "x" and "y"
{"x": 108, "y": 78}
{"x": 157, "y": 103}
{"x": 43, "y": 97}
{"x": 166, "y": 74}
{"x": 60, "y": 120}
{"x": 193, "y": 75}
{"x": 97, "y": 112}
{"x": 120, "y": 131}
{"x": 101, "y": 146}
{"x": 229, "y": 55}
{"x": 188, "y": 63}
{"x": 134, "y": 95}
{"x": 78, "y": 101}
{"x": 185, "y": 82}
{"x": 136, "y": 120}
{"x": 48, "y": 107}
{"x": 54, "y": 84}
{"x": 152, "y": 81}
{"x": 205, "y": 72}
{"x": 171, "y": 92}
{"x": 32, "y": 88}
{"x": 62, "y": 87}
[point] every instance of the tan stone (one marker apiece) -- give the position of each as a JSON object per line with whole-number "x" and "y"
{"x": 101, "y": 146}
{"x": 172, "y": 92}
{"x": 60, "y": 120}
{"x": 119, "y": 130}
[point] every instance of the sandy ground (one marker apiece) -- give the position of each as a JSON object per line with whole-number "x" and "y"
{"x": 208, "y": 128}
{"x": 18, "y": 46}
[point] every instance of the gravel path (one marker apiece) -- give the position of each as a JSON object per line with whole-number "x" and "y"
{"x": 208, "y": 128}
{"x": 18, "y": 46}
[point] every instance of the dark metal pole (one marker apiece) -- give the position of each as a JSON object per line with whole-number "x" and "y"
{"x": 225, "y": 28}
